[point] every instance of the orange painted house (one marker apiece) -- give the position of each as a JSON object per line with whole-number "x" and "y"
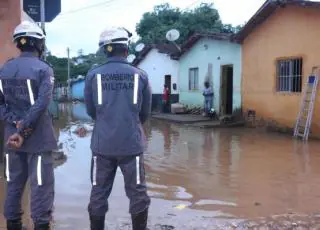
{"x": 280, "y": 46}
{"x": 10, "y": 17}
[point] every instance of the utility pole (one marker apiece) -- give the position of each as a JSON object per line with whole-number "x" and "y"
{"x": 68, "y": 90}
{"x": 43, "y": 23}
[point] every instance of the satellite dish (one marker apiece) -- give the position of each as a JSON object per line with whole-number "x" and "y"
{"x": 131, "y": 58}
{"x": 173, "y": 35}
{"x": 139, "y": 47}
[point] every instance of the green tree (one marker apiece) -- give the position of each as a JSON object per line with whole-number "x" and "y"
{"x": 60, "y": 65}
{"x": 228, "y": 28}
{"x": 154, "y": 25}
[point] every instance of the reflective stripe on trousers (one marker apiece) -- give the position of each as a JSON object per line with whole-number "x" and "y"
{"x": 94, "y": 171}
{"x": 7, "y": 167}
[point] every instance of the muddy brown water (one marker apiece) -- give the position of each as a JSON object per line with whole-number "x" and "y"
{"x": 197, "y": 178}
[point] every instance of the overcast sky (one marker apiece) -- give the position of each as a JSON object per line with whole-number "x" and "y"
{"x": 79, "y": 25}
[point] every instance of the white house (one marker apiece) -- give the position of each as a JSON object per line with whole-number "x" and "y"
{"x": 157, "y": 62}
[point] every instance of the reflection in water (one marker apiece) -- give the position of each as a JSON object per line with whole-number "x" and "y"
{"x": 259, "y": 173}
{"x": 195, "y": 176}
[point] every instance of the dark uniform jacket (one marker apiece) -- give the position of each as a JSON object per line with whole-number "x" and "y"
{"x": 26, "y": 85}
{"x": 118, "y": 98}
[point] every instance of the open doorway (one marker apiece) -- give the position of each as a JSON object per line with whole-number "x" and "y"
{"x": 167, "y": 82}
{"x": 226, "y": 90}
{"x": 167, "y": 105}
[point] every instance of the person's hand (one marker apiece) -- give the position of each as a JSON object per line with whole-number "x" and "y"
{"x": 19, "y": 124}
{"x": 15, "y": 141}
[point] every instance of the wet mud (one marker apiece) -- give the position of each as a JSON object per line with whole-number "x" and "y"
{"x": 197, "y": 178}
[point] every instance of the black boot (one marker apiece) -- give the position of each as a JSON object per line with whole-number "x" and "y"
{"x": 14, "y": 224}
{"x": 97, "y": 222}
{"x": 45, "y": 226}
{"x": 139, "y": 221}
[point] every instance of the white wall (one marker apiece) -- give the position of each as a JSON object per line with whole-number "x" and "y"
{"x": 157, "y": 65}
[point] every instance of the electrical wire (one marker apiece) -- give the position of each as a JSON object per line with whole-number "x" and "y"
{"x": 104, "y": 5}
{"x": 87, "y": 7}
{"x": 191, "y": 4}
{"x": 101, "y": 4}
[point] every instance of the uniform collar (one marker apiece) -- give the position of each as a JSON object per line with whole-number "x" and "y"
{"x": 120, "y": 59}
{"x": 27, "y": 54}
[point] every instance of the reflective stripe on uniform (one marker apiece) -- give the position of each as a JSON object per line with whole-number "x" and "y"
{"x": 135, "y": 88}
{"x": 94, "y": 171}
{"x": 99, "y": 87}
{"x": 1, "y": 88}
{"x": 138, "y": 169}
{"x": 39, "y": 176}
{"x": 30, "y": 92}
{"x": 7, "y": 167}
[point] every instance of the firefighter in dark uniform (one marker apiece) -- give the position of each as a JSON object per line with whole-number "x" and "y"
{"x": 118, "y": 98}
{"x": 25, "y": 92}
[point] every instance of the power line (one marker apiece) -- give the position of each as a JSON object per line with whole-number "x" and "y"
{"x": 63, "y": 17}
{"x": 191, "y": 4}
{"x": 105, "y": 4}
{"x": 87, "y": 7}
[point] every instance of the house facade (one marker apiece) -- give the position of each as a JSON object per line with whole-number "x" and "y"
{"x": 10, "y": 17}
{"x": 156, "y": 61}
{"x": 216, "y": 58}
{"x": 279, "y": 49}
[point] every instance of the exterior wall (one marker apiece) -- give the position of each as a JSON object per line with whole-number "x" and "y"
{"x": 10, "y": 17}
{"x": 198, "y": 56}
{"x": 289, "y": 32}
{"x": 157, "y": 65}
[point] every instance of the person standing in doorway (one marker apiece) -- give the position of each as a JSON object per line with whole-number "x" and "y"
{"x": 208, "y": 97}
{"x": 165, "y": 99}
{"x": 26, "y": 84}
{"x": 118, "y": 98}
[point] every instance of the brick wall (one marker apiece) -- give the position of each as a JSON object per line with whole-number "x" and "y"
{"x": 10, "y": 17}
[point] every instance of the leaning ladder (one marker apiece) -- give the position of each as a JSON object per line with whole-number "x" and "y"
{"x": 304, "y": 119}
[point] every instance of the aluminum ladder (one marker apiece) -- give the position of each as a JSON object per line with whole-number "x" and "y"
{"x": 303, "y": 123}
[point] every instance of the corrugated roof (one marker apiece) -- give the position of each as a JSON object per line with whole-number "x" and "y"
{"x": 266, "y": 10}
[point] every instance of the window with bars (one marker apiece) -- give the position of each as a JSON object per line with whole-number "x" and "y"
{"x": 289, "y": 75}
{"x": 193, "y": 78}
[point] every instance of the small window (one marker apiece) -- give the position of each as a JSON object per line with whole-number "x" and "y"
{"x": 193, "y": 78}
{"x": 289, "y": 75}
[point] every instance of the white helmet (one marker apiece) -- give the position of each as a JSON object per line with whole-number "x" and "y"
{"x": 28, "y": 29}
{"x": 114, "y": 35}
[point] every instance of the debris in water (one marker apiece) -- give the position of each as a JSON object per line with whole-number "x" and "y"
{"x": 181, "y": 206}
{"x": 81, "y": 131}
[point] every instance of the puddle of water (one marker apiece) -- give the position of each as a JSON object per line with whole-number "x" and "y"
{"x": 197, "y": 178}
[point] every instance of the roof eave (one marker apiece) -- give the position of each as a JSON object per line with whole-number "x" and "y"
{"x": 194, "y": 38}
{"x": 257, "y": 19}
{"x": 266, "y": 10}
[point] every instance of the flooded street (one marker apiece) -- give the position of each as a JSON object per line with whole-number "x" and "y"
{"x": 197, "y": 178}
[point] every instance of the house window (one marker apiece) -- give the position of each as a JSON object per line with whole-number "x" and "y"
{"x": 289, "y": 75}
{"x": 193, "y": 78}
